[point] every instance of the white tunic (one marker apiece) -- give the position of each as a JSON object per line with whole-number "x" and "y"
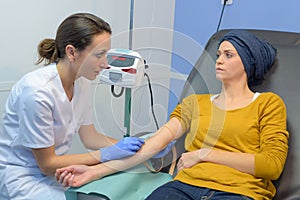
{"x": 38, "y": 114}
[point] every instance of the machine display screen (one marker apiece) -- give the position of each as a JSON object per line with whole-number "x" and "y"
{"x": 120, "y": 60}
{"x": 115, "y": 77}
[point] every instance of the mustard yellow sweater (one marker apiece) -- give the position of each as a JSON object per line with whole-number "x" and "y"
{"x": 259, "y": 128}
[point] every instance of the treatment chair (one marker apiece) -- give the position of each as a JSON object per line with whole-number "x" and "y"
{"x": 282, "y": 79}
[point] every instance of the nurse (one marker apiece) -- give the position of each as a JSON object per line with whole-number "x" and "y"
{"x": 48, "y": 106}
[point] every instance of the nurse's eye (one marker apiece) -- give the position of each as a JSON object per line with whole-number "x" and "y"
{"x": 100, "y": 54}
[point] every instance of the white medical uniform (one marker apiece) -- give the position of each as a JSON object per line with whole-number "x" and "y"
{"x": 38, "y": 114}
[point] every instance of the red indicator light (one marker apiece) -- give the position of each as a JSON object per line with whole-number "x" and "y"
{"x": 118, "y": 58}
{"x": 130, "y": 70}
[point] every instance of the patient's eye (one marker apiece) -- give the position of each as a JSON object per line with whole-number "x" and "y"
{"x": 228, "y": 55}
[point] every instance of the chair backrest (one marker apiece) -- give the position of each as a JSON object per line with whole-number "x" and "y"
{"x": 283, "y": 79}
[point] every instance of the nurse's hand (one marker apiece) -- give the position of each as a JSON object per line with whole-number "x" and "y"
{"x": 128, "y": 146}
{"x": 75, "y": 175}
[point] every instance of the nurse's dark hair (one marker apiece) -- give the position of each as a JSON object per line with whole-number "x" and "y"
{"x": 77, "y": 30}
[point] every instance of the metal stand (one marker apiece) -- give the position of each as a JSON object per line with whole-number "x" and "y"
{"x": 127, "y": 111}
{"x": 127, "y": 105}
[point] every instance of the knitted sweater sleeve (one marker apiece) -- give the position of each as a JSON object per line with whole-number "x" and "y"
{"x": 185, "y": 111}
{"x": 270, "y": 160}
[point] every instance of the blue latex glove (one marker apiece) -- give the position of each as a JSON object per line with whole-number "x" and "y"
{"x": 165, "y": 151}
{"x": 128, "y": 146}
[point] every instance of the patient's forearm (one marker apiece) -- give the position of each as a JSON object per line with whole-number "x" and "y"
{"x": 151, "y": 147}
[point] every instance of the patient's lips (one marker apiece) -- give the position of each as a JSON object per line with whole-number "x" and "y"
{"x": 219, "y": 69}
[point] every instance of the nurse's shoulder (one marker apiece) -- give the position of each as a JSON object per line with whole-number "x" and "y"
{"x": 37, "y": 79}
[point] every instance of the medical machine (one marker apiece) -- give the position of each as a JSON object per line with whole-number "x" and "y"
{"x": 125, "y": 68}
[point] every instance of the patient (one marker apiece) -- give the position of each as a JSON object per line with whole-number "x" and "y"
{"x": 236, "y": 141}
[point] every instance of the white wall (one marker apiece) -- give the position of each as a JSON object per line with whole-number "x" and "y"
{"x": 24, "y": 26}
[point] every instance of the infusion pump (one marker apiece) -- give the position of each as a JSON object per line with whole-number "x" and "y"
{"x": 125, "y": 68}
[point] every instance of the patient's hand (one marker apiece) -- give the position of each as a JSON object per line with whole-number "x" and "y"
{"x": 190, "y": 159}
{"x": 75, "y": 175}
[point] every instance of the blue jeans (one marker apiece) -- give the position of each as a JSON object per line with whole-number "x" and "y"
{"x": 176, "y": 190}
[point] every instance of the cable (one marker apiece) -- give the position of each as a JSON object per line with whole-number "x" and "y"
{"x": 225, "y": 1}
{"x": 151, "y": 97}
{"x": 151, "y": 100}
{"x": 112, "y": 89}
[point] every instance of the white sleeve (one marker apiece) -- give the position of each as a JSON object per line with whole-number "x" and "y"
{"x": 35, "y": 118}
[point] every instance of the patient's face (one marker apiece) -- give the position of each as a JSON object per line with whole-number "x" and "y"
{"x": 229, "y": 66}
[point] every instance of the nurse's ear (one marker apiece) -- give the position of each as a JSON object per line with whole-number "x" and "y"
{"x": 71, "y": 52}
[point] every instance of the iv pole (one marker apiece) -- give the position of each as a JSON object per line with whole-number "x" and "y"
{"x": 127, "y": 105}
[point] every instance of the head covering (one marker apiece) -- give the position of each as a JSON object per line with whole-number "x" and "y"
{"x": 257, "y": 55}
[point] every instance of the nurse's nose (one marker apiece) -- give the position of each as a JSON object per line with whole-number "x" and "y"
{"x": 104, "y": 63}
